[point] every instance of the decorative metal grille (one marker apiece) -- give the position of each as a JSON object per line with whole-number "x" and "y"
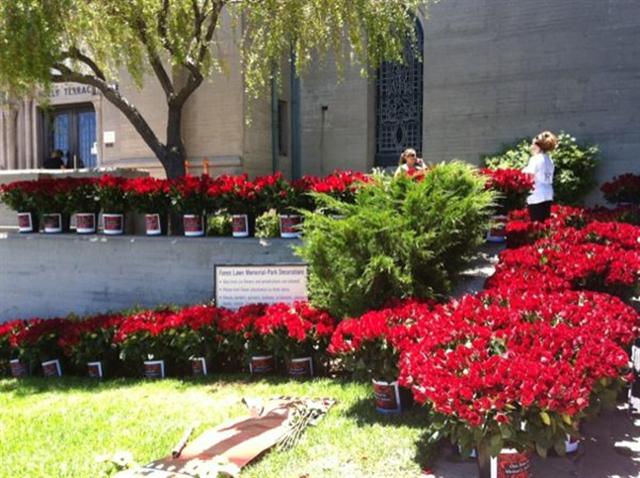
{"x": 399, "y": 105}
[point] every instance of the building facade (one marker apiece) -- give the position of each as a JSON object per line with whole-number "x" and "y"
{"x": 491, "y": 72}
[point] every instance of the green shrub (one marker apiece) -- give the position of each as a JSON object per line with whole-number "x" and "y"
{"x": 575, "y": 166}
{"x": 268, "y": 224}
{"x": 219, "y": 225}
{"x": 402, "y": 237}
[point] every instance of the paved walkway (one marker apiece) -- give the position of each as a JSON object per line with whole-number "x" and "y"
{"x": 611, "y": 445}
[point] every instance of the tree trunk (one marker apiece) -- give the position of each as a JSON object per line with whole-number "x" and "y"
{"x": 175, "y": 155}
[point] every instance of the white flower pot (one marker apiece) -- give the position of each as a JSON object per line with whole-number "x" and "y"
{"x": 113, "y": 224}
{"x": 154, "y": 369}
{"x": 85, "y": 223}
{"x": 51, "y": 368}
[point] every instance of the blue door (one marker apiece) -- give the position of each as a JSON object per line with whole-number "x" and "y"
{"x": 73, "y": 131}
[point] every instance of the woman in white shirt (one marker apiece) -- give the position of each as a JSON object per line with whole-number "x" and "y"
{"x": 541, "y": 168}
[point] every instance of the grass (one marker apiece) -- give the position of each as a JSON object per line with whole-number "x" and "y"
{"x": 57, "y": 427}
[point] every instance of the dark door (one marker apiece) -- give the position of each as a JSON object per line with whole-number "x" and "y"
{"x": 73, "y": 131}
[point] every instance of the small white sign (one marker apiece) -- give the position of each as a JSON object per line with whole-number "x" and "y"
{"x": 236, "y": 286}
{"x": 109, "y": 137}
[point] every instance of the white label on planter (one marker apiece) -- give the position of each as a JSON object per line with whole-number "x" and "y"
{"x": 52, "y": 223}
{"x": 25, "y": 222}
{"x": 154, "y": 368}
{"x": 198, "y": 366}
{"x": 51, "y": 368}
{"x": 240, "y": 225}
{"x": 153, "y": 224}
{"x": 235, "y": 286}
{"x": 113, "y": 224}
{"x": 94, "y": 369}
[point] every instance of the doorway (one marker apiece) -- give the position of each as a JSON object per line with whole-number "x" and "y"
{"x": 72, "y": 130}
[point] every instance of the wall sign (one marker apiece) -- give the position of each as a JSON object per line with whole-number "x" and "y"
{"x": 235, "y": 286}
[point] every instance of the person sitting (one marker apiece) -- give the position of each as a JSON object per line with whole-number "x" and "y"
{"x": 409, "y": 163}
{"x": 54, "y": 161}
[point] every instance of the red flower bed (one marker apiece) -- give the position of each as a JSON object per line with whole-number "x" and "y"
{"x": 622, "y": 189}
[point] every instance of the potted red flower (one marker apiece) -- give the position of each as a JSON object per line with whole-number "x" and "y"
{"x": 53, "y": 204}
{"x": 513, "y": 187}
{"x": 23, "y": 197}
{"x": 88, "y": 344}
{"x": 290, "y": 201}
{"x": 623, "y": 189}
{"x": 151, "y": 197}
{"x": 35, "y": 345}
{"x": 8, "y": 354}
{"x": 113, "y": 198}
{"x": 296, "y": 333}
{"x": 234, "y": 329}
{"x": 84, "y": 204}
{"x": 237, "y": 196}
{"x": 190, "y": 197}
{"x": 370, "y": 347}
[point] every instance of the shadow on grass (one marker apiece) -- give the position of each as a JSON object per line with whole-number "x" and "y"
{"x": 35, "y": 385}
{"x": 364, "y": 412}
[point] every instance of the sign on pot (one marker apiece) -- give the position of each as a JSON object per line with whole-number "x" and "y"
{"x": 235, "y": 286}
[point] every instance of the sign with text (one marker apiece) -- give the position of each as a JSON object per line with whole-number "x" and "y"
{"x": 236, "y": 286}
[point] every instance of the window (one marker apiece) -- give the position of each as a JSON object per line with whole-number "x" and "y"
{"x": 283, "y": 128}
{"x": 399, "y": 97}
{"x": 72, "y": 130}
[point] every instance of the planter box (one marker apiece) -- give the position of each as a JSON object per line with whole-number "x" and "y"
{"x": 198, "y": 366}
{"x": 27, "y": 222}
{"x": 509, "y": 463}
{"x": 193, "y": 225}
{"x": 154, "y": 369}
{"x": 290, "y": 226}
{"x": 262, "y": 364}
{"x": 51, "y": 368}
{"x": 85, "y": 223}
{"x": 18, "y": 369}
{"x": 300, "y": 367}
{"x": 113, "y": 224}
{"x": 94, "y": 369}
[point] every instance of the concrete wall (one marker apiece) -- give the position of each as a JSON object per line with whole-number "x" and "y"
{"x": 497, "y": 70}
{"x": 56, "y": 275}
{"x": 342, "y": 135}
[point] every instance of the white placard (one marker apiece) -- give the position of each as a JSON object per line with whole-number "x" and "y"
{"x": 236, "y": 286}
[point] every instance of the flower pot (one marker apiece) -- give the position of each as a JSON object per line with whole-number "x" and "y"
{"x": 18, "y": 369}
{"x": 300, "y": 367}
{"x": 497, "y": 233}
{"x": 262, "y": 364}
{"x": 155, "y": 224}
{"x": 198, "y": 366}
{"x": 51, "y": 368}
{"x": 290, "y": 226}
{"x": 193, "y": 225}
{"x": 387, "y": 396}
{"x": 154, "y": 369}
{"x": 510, "y": 463}
{"x": 85, "y": 223}
{"x": 52, "y": 223}
{"x": 243, "y": 225}
{"x": 634, "y": 391}
{"x": 113, "y": 224}
{"x": 27, "y": 222}
{"x": 94, "y": 369}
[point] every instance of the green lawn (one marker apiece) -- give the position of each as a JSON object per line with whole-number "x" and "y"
{"x": 57, "y": 427}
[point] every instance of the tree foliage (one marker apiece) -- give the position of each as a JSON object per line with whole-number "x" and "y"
{"x": 95, "y": 42}
{"x": 401, "y": 238}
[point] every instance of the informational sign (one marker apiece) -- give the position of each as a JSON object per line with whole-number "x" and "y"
{"x": 235, "y": 286}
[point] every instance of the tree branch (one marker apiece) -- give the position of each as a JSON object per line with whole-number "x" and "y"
{"x": 75, "y": 54}
{"x": 154, "y": 60}
{"x": 130, "y": 111}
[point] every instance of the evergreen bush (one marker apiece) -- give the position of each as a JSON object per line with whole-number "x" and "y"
{"x": 575, "y": 166}
{"x": 402, "y": 237}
